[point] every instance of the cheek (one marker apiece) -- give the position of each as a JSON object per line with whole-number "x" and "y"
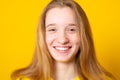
{"x": 75, "y": 39}
{"x": 49, "y": 39}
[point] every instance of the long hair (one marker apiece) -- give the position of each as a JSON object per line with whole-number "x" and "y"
{"x": 41, "y": 67}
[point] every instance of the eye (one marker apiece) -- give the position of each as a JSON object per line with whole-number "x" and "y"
{"x": 72, "y": 29}
{"x": 52, "y": 30}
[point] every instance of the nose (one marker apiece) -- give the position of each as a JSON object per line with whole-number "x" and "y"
{"x": 62, "y": 38}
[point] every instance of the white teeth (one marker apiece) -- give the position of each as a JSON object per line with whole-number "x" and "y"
{"x": 62, "y": 49}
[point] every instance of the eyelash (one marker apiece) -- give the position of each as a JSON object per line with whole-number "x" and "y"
{"x": 51, "y": 30}
{"x": 68, "y": 30}
{"x": 72, "y": 29}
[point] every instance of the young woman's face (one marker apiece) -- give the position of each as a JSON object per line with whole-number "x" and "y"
{"x": 62, "y": 34}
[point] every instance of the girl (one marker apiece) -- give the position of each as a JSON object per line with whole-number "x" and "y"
{"x": 64, "y": 49}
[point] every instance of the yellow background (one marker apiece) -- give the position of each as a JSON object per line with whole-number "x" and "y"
{"x": 18, "y": 22}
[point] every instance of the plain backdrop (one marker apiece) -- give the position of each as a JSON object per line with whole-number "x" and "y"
{"x": 18, "y": 23}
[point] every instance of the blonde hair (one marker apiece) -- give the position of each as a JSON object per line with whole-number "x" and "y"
{"x": 87, "y": 65}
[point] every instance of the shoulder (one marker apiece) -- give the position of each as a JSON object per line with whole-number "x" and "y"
{"x": 77, "y": 78}
{"x": 22, "y": 78}
{"x": 26, "y": 78}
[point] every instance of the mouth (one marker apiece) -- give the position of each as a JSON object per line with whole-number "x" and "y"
{"x": 62, "y": 49}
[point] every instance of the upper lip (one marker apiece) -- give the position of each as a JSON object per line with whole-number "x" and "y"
{"x": 63, "y": 46}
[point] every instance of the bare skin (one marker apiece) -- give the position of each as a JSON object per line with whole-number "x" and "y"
{"x": 63, "y": 41}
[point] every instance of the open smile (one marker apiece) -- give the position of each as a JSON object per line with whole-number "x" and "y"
{"x": 62, "y": 49}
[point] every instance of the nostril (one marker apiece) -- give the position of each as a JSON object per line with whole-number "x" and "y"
{"x": 63, "y": 40}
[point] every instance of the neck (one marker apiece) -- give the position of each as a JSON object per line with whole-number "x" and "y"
{"x": 64, "y": 71}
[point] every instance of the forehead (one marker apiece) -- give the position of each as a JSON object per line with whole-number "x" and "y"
{"x": 60, "y": 10}
{"x": 60, "y": 15}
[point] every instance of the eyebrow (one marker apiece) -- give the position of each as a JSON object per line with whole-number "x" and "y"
{"x": 53, "y": 24}
{"x": 71, "y": 24}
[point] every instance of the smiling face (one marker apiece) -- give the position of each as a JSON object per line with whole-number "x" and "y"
{"x": 62, "y": 34}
